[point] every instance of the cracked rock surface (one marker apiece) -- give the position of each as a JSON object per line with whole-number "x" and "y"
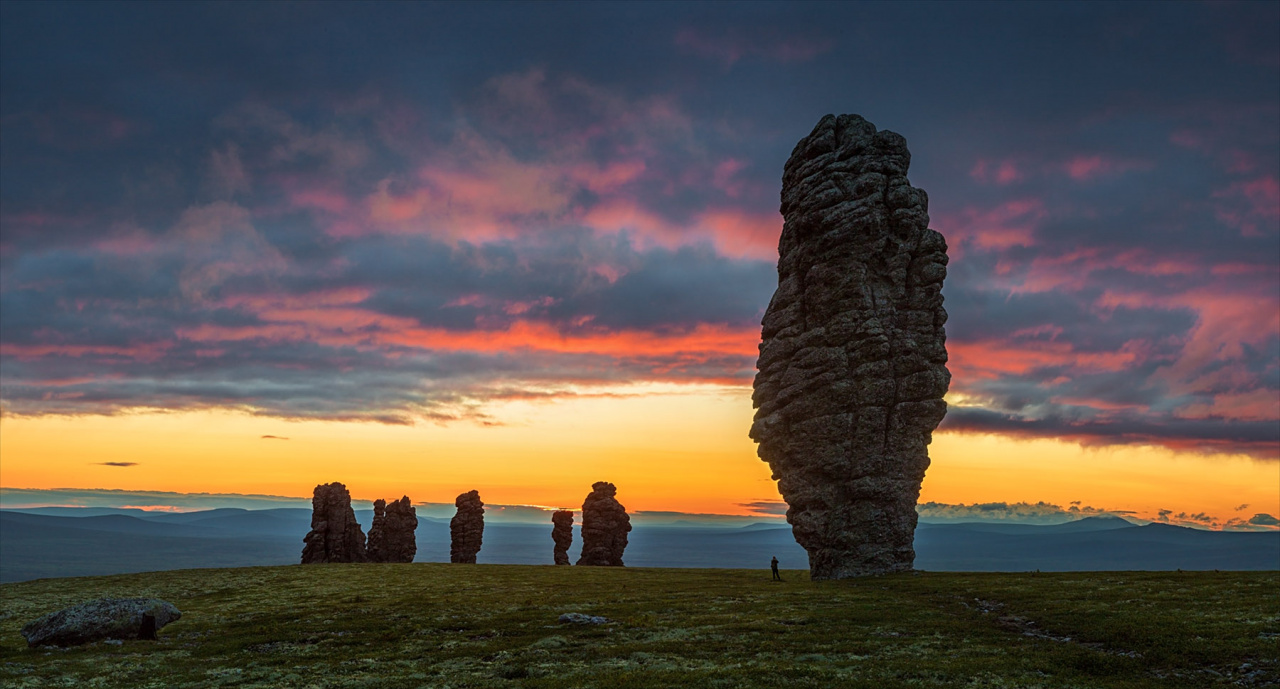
{"x": 466, "y": 529}
{"x": 335, "y": 534}
{"x": 562, "y": 534}
{"x": 605, "y": 525}
{"x": 852, "y": 366}
{"x": 391, "y": 537}
{"x": 104, "y": 618}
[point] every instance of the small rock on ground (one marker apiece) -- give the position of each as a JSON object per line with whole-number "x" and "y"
{"x": 579, "y": 618}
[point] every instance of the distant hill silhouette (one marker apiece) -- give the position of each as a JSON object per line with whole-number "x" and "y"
{"x": 47, "y": 542}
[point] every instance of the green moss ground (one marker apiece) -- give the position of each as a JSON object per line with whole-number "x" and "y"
{"x": 427, "y": 625}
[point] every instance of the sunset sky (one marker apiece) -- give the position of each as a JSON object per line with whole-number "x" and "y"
{"x": 249, "y": 248}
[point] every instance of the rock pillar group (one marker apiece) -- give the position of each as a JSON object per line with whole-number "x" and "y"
{"x": 391, "y": 537}
{"x": 336, "y": 536}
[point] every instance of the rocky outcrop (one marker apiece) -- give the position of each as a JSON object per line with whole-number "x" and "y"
{"x": 852, "y": 365}
{"x": 562, "y": 534}
{"x": 335, "y": 534}
{"x": 391, "y": 537}
{"x": 605, "y": 525}
{"x": 466, "y": 529}
{"x": 98, "y": 620}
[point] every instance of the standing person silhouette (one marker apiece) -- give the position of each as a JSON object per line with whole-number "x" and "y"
{"x": 774, "y": 566}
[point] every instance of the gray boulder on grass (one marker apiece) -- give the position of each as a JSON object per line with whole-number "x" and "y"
{"x": 579, "y": 618}
{"x": 97, "y": 620}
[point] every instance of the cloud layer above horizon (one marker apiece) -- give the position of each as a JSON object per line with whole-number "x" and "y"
{"x": 406, "y": 212}
{"x": 19, "y": 499}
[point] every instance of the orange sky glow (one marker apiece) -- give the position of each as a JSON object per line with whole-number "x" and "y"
{"x": 668, "y": 447}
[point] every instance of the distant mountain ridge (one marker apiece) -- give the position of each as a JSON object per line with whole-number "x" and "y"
{"x": 48, "y": 542}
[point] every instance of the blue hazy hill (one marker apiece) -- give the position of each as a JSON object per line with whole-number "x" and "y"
{"x": 51, "y": 543}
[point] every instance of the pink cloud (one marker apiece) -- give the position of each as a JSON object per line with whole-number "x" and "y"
{"x": 127, "y": 240}
{"x": 739, "y": 234}
{"x": 355, "y": 321}
{"x": 148, "y": 351}
{"x": 1255, "y": 405}
{"x": 79, "y": 380}
{"x": 1221, "y": 143}
{"x": 371, "y": 331}
{"x": 608, "y": 178}
{"x": 320, "y": 199}
{"x": 723, "y": 177}
{"x": 340, "y": 152}
{"x": 342, "y": 296}
{"x": 1252, "y": 206}
{"x": 1012, "y": 223}
{"x": 992, "y": 359}
{"x": 734, "y": 233}
{"x": 1187, "y": 138}
{"x": 475, "y": 188}
{"x": 1208, "y": 359}
{"x": 1073, "y": 270}
{"x": 509, "y": 307}
{"x": 1090, "y": 167}
{"x": 227, "y": 174}
{"x": 618, "y": 215}
{"x": 1002, "y": 173}
{"x": 730, "y": 46}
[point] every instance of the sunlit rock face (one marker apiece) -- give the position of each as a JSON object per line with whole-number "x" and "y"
{"x": 391, "y": 537}
{"x": 605, "y": 526}
{"x": 852, "y": 365}
{"x": 335, "y": 534}
{"x": 466, "y": 529}
{"x": 562, "y": 535}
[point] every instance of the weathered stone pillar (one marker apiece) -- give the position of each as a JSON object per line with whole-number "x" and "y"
{"x": 562, "y": 534}
{"x": 853, "y": 356}
{"x": 335, "y": 534}
{"x": 391, "y": 537}
{"x": 466, "y": 529}
{"x": 605, "y": 525}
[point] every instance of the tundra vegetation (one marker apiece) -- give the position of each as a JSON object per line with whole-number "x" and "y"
{"x": 440, "y": 625}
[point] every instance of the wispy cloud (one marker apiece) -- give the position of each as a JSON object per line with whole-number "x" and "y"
{"x": 1019, "y": 512}
{"x": 769, "y": 507}
{"x": 728, "y": 46}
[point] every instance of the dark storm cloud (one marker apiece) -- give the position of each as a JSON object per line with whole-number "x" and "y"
{"x": 440, "y": 205}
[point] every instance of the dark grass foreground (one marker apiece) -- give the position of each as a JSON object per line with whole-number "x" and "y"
{"x": 427, "y": 625}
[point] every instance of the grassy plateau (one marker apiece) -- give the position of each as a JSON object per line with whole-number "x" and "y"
{"x": 434, "y": 625}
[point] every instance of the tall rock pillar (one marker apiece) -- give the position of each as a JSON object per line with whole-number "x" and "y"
{"x": 391, "y": 537}
{"x": 605, "y": 526}
{"x": 852, "y": 366}
{"x": 561, "y": 535}
{"x": 466, "y": 529}
{"x": 335, "y": 534}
